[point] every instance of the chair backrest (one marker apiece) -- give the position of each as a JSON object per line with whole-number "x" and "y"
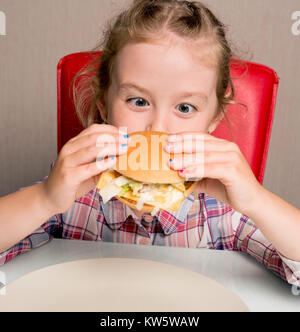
{"x": 255, "y": 86}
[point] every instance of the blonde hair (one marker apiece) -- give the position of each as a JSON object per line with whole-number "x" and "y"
{"x": 144, "y": 21}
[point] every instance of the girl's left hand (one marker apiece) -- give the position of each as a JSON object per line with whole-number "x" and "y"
{"x": 225, "y": 173}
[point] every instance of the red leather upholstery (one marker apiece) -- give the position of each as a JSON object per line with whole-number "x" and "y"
{"x": 256, "y": 87}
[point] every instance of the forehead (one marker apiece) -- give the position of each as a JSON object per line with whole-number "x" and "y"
{"x": 167, "y": 58}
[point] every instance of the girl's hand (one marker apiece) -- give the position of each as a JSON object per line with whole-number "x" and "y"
{"x": 225, "y": 173}
{"x": 76, "y": 170}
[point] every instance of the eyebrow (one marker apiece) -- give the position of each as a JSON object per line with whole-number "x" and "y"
{"x": 130, "y": 85}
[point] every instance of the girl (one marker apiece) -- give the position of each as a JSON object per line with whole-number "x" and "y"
{"x": 164, "y": 67}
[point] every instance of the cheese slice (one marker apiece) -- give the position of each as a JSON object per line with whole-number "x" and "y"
{"x": 109, "y": 191}
{"x": 107, "y": 177}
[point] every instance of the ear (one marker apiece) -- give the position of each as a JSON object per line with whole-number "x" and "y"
{"x": 214, "y": 124}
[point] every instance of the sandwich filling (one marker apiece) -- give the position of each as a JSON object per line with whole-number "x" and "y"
{"x": 160, "y": 196}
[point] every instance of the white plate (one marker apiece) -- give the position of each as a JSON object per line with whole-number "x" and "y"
{"x": 117, "y": 284}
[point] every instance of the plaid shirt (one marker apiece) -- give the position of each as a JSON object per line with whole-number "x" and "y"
{"x": 200, "y": 222}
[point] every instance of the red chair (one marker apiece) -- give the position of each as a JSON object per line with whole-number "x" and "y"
{"x": 256, "y": 86}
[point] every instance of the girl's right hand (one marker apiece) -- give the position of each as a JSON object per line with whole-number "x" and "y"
{"x": 76, "y": 170}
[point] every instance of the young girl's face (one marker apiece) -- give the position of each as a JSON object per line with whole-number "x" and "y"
{"x": 162, "y": 87}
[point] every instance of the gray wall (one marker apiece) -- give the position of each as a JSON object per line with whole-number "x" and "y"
{"x": 40, "y": 32}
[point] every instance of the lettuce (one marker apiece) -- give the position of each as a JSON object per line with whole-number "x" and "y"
{"x": 126, "y": 187}
{"x": 135, "y": 186}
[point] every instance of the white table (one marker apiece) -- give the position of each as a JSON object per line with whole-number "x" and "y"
{"x": 258, "y": 287}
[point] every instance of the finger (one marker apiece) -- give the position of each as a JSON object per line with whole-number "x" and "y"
{"x": 95, "y": 139}
{"x": 87, "y": 171}
{"x": 191, "y": 159}
{"x": 181, "y": 162}
{"x": 100, "y": 128}
{"x": 189, "y": 146}
{"x": 191, "y": 136}
{"x": 93, "y": 153}
{"x": 95, "y": 128}
{"x": 221, "y": 171}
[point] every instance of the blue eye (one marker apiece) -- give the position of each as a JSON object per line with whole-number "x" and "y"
{"x": 139, "y": 104}
{"x": 186, "y": 108}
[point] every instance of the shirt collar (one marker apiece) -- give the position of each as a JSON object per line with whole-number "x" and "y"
{"x": 116, "y": 213}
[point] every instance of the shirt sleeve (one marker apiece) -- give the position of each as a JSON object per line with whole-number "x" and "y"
{"x": 39, "y": 237}
{"x": 248, "y": 238}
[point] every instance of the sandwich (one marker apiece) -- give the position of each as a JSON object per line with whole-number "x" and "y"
{"x": 142, "y": 179}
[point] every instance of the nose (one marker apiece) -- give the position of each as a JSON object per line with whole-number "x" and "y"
{"x": 158, "y": 122}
